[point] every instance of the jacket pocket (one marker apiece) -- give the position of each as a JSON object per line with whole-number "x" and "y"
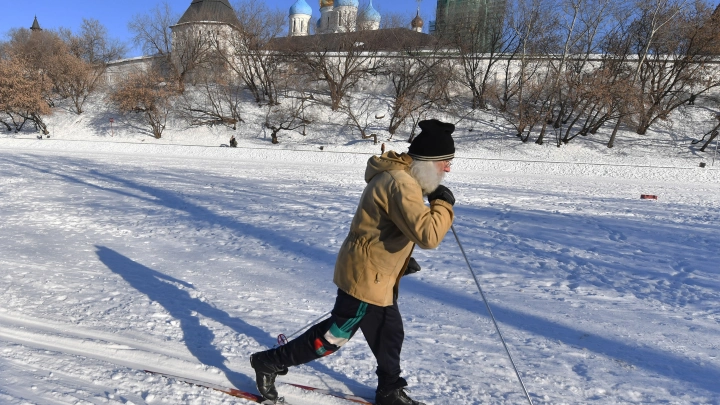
{"x": 382, "y": 261}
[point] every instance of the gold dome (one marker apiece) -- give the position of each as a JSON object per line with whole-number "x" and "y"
{"x": 326, "y": 3}
{"x": 417, "y": 22}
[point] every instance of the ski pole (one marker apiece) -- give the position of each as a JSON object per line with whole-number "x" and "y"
{"x": 282, "y": 339}
{"x": 482, "y": 294}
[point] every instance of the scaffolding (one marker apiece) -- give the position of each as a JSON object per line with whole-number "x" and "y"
{"x": 469, "y": 20}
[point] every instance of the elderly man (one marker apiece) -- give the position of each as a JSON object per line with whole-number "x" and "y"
{"x": 390, "y": 220}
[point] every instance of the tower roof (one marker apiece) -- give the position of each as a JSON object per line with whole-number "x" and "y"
{"x": 209, "y": 10}
{"x": 417, "y": 22}
{"x": 371, "y": 14}
{"x": 347, "y": 3}
{"x": 35, "y": 25}
{"x": 300, "y": 7}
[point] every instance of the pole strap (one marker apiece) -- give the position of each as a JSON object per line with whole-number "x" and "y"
{"x": 497, "y": 328}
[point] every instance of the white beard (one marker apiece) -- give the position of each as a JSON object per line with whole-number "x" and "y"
{"x": 427, "y": 175}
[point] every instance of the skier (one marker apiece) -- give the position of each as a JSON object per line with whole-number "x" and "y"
{"x": 390, "y": 220}
{"x": 233, "y": 142}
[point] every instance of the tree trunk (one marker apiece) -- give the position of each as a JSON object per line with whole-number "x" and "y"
{"x": 335, "y": 97}
{"x": 541, "y": 138}
{"x": 713, "y": 136}
{"x": 611, "y": 142}
{"x": 643, "y": 126}
{"x": 155, "y": 124}
{"x": 19, "y": 127}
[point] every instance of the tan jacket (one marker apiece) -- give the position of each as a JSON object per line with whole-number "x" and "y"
{"x": 391, "y": 217}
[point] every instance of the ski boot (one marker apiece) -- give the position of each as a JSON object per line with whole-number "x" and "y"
{"x": 395, "y": 397}
{"x": 265, "y": 373}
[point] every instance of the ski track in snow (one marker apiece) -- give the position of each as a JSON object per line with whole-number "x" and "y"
{"x": 115, "y": 263}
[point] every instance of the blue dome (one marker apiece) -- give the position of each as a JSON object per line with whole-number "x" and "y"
{"x": 347, "y": 3}
{"x": 371, "y": 14}
{"x": 300, "y": 7}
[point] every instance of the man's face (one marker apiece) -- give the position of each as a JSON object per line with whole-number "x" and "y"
{"x": 429, "y": 174}
{"x": 443, "y": 166}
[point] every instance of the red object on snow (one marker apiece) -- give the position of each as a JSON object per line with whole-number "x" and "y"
{"x": 648, "y": 197}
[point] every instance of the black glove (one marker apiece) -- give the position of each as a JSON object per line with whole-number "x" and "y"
{"x": 412, "y": 267}
{"x": 442, "y": 193}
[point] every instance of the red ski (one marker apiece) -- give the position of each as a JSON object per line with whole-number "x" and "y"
{"x": 347, "y": 397}
{"x": 257, "y": 398}
{"x": 230, "y": 391}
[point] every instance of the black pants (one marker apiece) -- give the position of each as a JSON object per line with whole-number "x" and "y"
{"x": 382, "y": 327}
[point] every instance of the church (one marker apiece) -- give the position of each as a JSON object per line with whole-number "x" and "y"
{"x": 336, "y": 16}
{"x": 343, "y": 22}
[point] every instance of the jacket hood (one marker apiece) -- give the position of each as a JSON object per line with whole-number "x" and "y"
{"x": 386, "y": 162}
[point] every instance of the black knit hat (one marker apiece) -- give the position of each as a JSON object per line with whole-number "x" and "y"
{"x": 435, "y": 141}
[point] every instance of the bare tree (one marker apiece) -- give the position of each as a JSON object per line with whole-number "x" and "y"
{"x": 419, "y": 79}
{"x": 339, "y": 63}
{"x": 194, "y": 54}
{"x": 651, "y": 16}
{"x": 523, "y": 97}
{"x": 37, "y": 49}
{"x": 152, "y": 31}
{"x": 601, "y": 93}
{"x": 246, "y": 50}
{"x": 216, "y": 100}
{"x": 148, "y": 93}
{"x": 292, "y": 111}
{"x": 677, "y": 63}
{"x": 189, "y": 49}
{"x": 93, "y": 44}
{"x": 358, "y": 108}
{"x": 285, "y": 116}
{"x": 76, "y": 72}
{"x": 74, "y": 79}
{"x": 22, "y": 95}
{"x": 480, "y": 45}
{"x": 595, "y": 98}
{"x": 713, "y": 134}
{"x": 33, "y": 52}
{"x": 579, "y": 24}
{"x": 77, "y": 66}
{"x": 73, "y": 63}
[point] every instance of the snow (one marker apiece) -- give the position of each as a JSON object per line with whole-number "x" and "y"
{"x": 121, "y": 252}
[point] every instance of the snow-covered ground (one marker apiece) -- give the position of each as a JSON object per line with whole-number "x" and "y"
{"x": 119, "y": 253}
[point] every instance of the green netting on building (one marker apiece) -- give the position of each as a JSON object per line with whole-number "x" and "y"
{"x": 469, "y": 20}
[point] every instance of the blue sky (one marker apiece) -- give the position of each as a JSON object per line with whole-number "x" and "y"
{"x": 116, "y": 14}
